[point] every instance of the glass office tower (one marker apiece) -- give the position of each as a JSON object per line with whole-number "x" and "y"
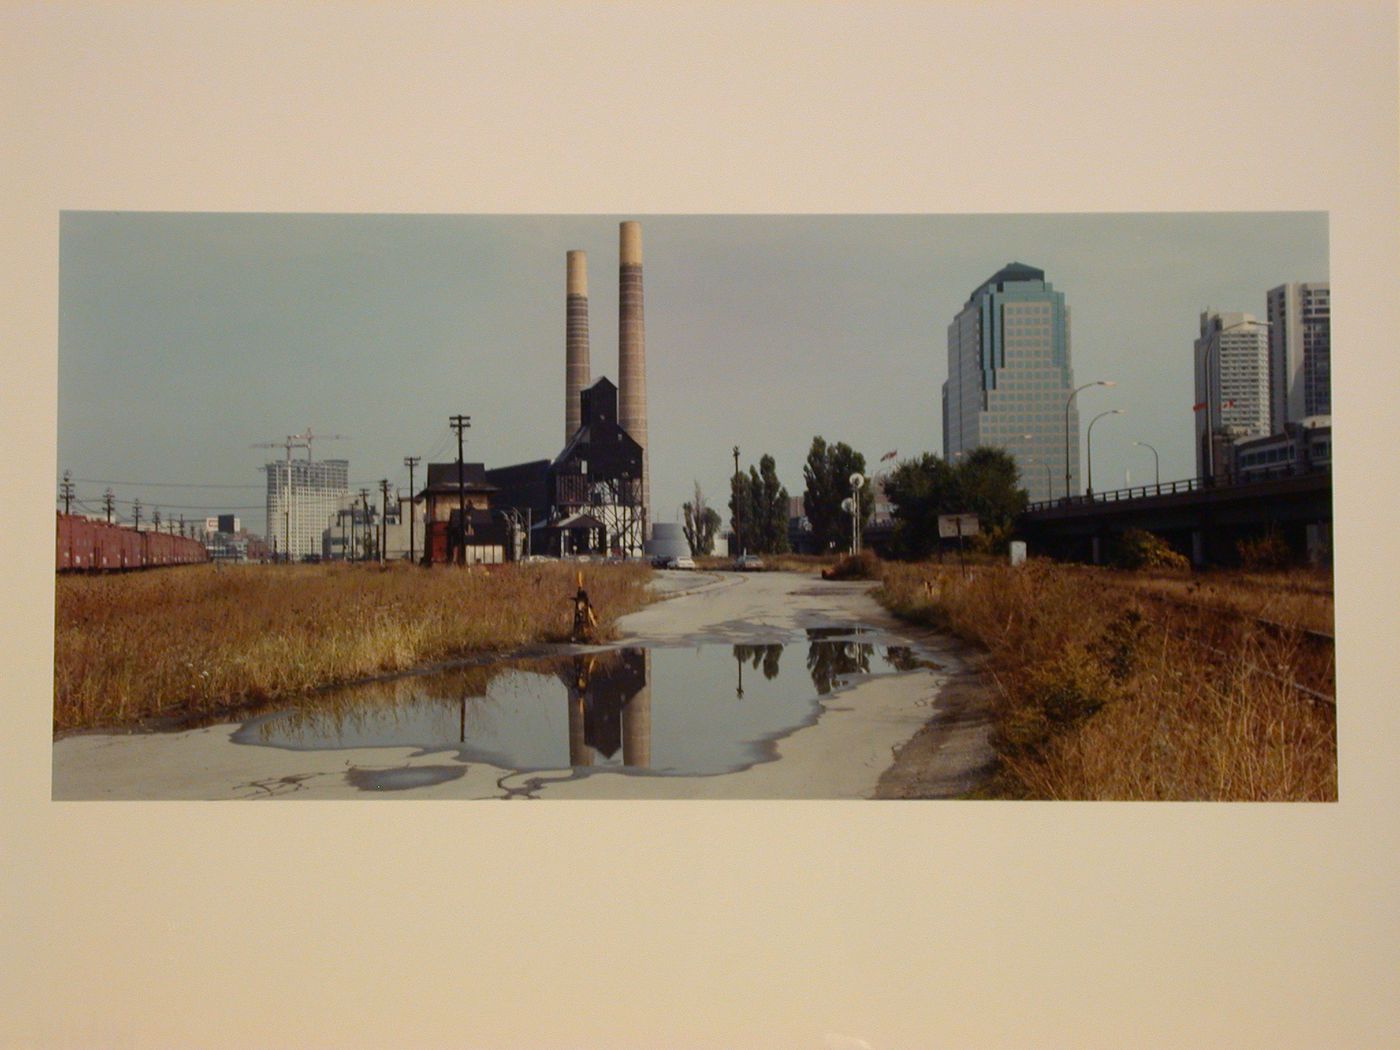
{"x": 1009, "y": 379}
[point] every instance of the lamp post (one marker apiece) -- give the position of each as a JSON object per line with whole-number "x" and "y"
{"x": 857, "y": 483}
{"x": 1089, "y": 448}
{"x": 1156, "y": 463}
{"x": 1068, "y": 403}
{"x": 738, "y": 508}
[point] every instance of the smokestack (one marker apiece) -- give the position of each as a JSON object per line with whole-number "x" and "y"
{"x": 632, "y": 356}
{"x": 575, "y": 341}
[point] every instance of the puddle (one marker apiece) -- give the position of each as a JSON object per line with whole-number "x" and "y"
{"x": 660, "y": 711}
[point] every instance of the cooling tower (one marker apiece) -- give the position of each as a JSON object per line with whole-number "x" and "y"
{"x": 575, "y": 340}
{"x": 632, "y": 356}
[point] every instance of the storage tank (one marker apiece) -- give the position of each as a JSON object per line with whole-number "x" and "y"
{"x": 667, "y": 541}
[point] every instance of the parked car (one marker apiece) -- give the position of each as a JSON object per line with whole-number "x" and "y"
{"x": 684, "y": 561}
{"x": 748, "y": 563}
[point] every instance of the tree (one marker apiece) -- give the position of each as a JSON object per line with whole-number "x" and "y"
{"x": 769, "y": 502}
{"x": 985, "y": 483}
{"x": 827, "y": 476}
{"x": 702, "y": 522}
{"x": 763, "y": 508}
{"x": 741, "y": 518}
{"x": 989, "y": 485}
{"x": 920, "y": 490}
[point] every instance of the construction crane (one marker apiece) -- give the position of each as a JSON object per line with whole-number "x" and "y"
{"x": 308, "y": 437}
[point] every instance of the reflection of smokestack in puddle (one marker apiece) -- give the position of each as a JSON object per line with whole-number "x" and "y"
{"x": 636, "y": 722}
{"x": 632, "y": 356}
{"x": 579, "y": 753}
{"x": 575, "y": 341}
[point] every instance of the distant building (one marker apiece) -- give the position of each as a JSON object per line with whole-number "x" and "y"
{"x": 449, "y": 536}
{"x": 1300, "y": 352}
{"x": 1303, "y": 446}
{"x": 303, "y": 496}
{"x": 1232, "y": 387}
{"x": 1009, "y": 377}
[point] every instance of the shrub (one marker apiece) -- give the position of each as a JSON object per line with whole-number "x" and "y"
{"x": 1140, "y": 549}
{"x": 863, "y": 566}
{"x": 1269, "y": 551}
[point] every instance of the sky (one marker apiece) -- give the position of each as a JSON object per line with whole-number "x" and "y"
{"x": 188, "y": 339}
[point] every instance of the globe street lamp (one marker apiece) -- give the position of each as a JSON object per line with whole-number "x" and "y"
{"x": 1089, "y": 447}
{"x": 1156, "y": 463}
{"x": 1070, "y": 401}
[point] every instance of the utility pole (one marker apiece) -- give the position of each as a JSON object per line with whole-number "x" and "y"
{"x": 107, "y": 498}
{"x": 410, "y": 462}
{"x": 182, "y": 524}
{"x": 460, "y": 423}
{"x": 155, "y": 520}
{"x": 368, "y": 536}
{"x": 67, "y": 490}
{"x": 383, "y": 519}
{"x": 738, "y": 508}
{"x": 136, "y": 514}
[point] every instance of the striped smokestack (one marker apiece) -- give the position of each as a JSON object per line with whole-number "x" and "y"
{"x": 632, "y": 357}
{"x": 575, "y": 341}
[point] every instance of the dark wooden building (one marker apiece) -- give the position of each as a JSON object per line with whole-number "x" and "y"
{"x": 595, "y": 484}
{"x": 486, "y": 537}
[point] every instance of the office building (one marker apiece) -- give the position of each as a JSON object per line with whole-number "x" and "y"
{"x": 1232, "y": 387}
{"x": 1300, "y": 352}
{"x": 303, "y": 496}
{"x": 1009, "y": 379}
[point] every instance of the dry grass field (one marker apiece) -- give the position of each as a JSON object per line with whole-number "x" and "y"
{"x": 1121, "y": 685}
{"x": 202, "y": 639}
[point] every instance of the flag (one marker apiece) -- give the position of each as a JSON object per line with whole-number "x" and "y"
{"x": 1198, "y": 406}
{"x": 889, "y": 455}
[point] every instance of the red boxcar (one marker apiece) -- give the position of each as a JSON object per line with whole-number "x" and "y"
{"x": 95, "y": 546}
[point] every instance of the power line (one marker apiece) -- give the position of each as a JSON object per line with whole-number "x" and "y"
{"x": 163, "y": 484}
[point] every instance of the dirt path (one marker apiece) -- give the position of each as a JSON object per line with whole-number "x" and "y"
{"x": 915, "y": 734}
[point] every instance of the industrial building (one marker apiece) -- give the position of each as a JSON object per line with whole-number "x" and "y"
{"x": 593, "y": 498}
{"x": 1010, "y": 378}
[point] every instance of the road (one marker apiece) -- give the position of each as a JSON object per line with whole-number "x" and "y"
{"x": 921, "y": 733}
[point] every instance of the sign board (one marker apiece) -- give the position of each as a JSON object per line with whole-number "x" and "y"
{"x": 951, "y": 526}
{"x": 1018, "y": 552}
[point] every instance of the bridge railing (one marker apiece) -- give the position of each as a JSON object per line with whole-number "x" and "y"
{"x": 1171, "y": 488}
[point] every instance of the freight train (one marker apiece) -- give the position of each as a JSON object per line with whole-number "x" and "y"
{"x": 94, "y": 546}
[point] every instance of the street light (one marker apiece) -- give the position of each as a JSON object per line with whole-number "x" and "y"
{"x": 738, "y": 513}
{"x": 1089, "y": 448}
{"x": 1070, "y": 401}
{"x": 857, "y": 482}
{"x": 1156, "y": 463}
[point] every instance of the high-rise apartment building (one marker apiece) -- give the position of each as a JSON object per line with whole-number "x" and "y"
{"x": 1300, "y": 352}
{"x": 303, "y": 496}
{"x": 1009, "y": 379}
{"x": 1232, "y": 387}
